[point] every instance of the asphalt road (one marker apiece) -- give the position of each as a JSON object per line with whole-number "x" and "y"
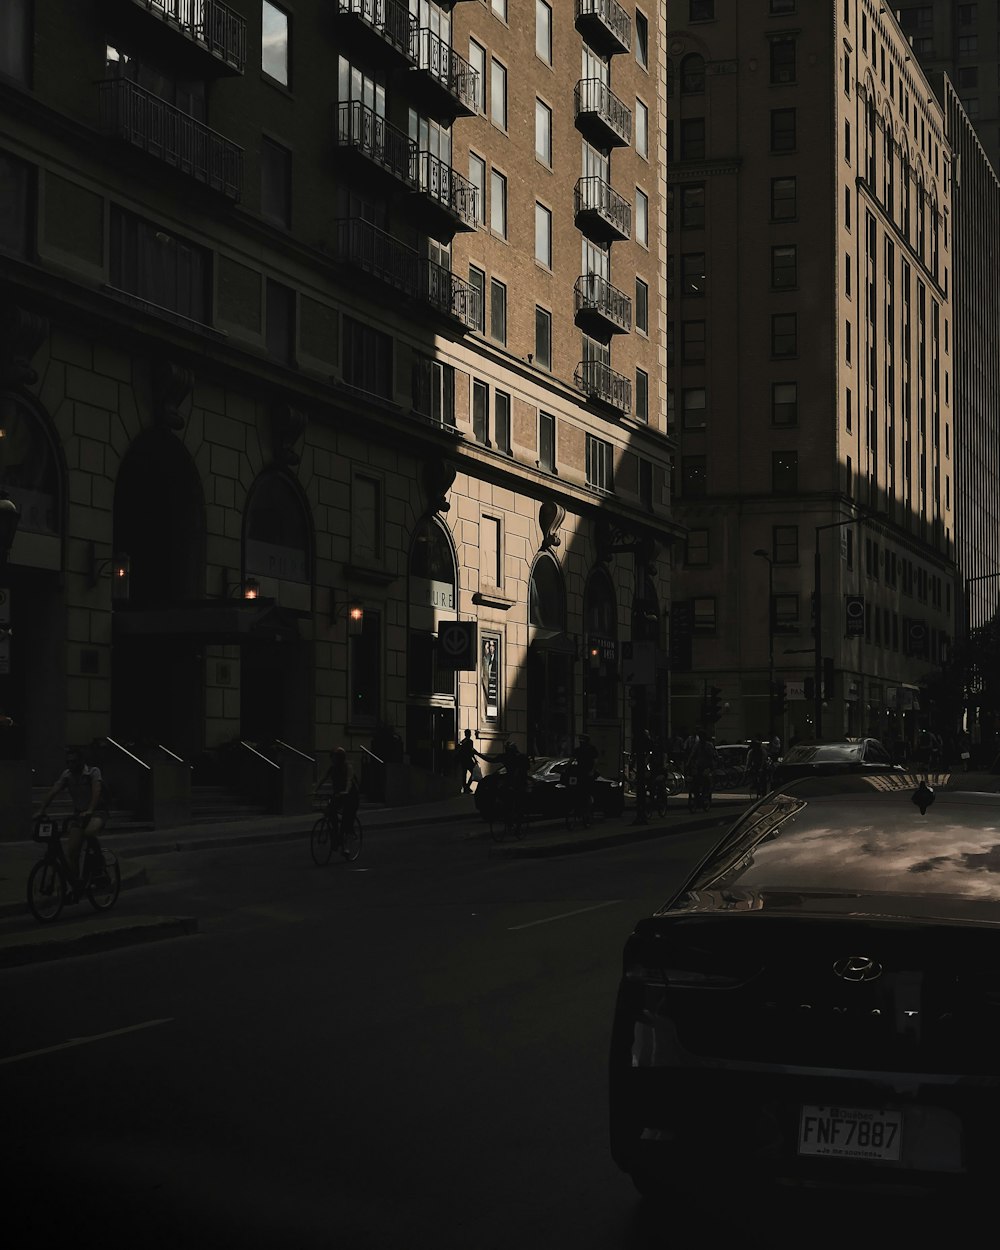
{"x": 406, "y": 1052}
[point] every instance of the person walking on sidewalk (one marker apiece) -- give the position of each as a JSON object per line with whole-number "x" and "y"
{"x": 345, "y": 794}
{"x": 89, "y": 796}
{"x": 467, "y": 755}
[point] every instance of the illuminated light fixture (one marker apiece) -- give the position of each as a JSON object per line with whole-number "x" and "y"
{"x": 250, "y": 588}
{"x": 355, "y": 619}
{"x": 595, "y": 657}
{"x": 118, "y": 567}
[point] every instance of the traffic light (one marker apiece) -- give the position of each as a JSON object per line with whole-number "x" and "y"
{"x": 828, "y": 678}
{"x": 714, "y": 704}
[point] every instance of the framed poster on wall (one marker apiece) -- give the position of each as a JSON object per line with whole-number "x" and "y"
{"x": 490, "y": 656}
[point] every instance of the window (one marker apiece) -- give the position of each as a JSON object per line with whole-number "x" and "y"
{"x": 692, "y": 342}
{"x": 693, "y": 139}
{"x": 274, "y": 42}
{"x": 543, "y": 235}
{"x": 275, "y": 182}
{"x": 784, "y": 403}
{"x": 642, "y": 39}
{"x": 367, "y": 524}
{"x": 600, "y": 464}
{"x": 784, "y": 472}
{"x": 783, "y": 199}
{"x": 547, "y": 442}
{"x": 434, "y": 390}
{"x": 782, "y": 60}
{"x": 500, "y": 9}
{"x": 785, "y": 614}
{"x": 785, "y": 544}
{"x": 705, "y": 619}
{"x": 701, "y": 10}
{"x": 693, "y": 477}
{"x": 543, "y": 31}
{"x": 778, "y": 7}
{"x": 646, "y": 483}
{"x": 693, "y": 206}
{"x": 280, "y": 322}
{"x": 477, "y": 280}
{"x": 641, "y": 395}
{"x": 491, "y": 552}
{"x": 15, "y": 224}
{"x": 693, "y": 75}
{"x": 160, "y": 268}
{"x": 543, "y": 132}
{"x": 696, "y": 550}
{"x": 498, "y": 311}
{"x": 480, "y": 412}
{"x": 784, "y": 334}
{"x": 782, "y": 130}
{"x": 641, "y": 306}
{"x": 693, "y": 408}
{"x": 641, "y": 128}
{"x": 367, "y": 358}
{"x": 543, "y": 338}
{"x": 15, "y": 40}
{"x": 693, "y": 281}
{"x": 477, "y": 176}
{"x": 501, "y": 421}
{"x": 641, "y": 217}
{"x": 477, "y": 59}
{"x": 498, "y": 203}
{"x": 784, "y": 269}
{"x": 498, "y": 95}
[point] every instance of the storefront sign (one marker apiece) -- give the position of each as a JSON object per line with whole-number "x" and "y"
{"x": 431, "y": 594}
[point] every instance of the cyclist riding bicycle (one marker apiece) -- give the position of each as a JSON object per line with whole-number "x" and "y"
{"x": 699, "y": 766}
{"x": 89, "y": 796}
{"x": 345, "y": 793}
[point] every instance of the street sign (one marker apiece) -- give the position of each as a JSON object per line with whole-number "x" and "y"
{"x": 457, "y": 644}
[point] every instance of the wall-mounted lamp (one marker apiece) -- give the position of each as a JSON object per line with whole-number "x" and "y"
{"x": 249, "y": 588}
{"x": 594, "y": 656}
{"x": 354, "y": 610}
{"x": 10, "y": 515}
{"x": 118, "y": 567}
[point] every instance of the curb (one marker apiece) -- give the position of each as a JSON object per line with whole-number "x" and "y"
{"x": 527, "y": 850}
{"x": 40, "y": 948}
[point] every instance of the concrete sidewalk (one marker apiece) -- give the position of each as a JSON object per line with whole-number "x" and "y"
{"x": 83, "y": 931}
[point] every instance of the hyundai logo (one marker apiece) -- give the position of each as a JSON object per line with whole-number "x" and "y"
{"x": 858, "y": 968}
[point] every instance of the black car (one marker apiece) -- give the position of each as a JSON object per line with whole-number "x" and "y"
{"x": 547, "y": 790}
{"x": 830, "y": 756}
{"x": 820, "y": 1002}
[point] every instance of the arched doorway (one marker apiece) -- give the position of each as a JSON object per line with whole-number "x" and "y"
{"x": 159, "y": 522}
{"x": 274, "y": 666}
{"x": 430, "y": 686}
{"x": 550, "y": 662}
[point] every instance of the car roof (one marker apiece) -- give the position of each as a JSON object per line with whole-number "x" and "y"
{"x": 861, "y": 845}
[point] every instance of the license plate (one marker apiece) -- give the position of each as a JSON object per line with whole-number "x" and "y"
{"x": 851, "y": 1133}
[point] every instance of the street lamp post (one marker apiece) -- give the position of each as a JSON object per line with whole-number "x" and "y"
{"x": 770, "y": 639}
{"x": 818, "y": 615}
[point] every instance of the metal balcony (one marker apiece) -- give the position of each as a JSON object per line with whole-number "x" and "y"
{"x": 363, "y": 131}
{"x": 446, "y": 200}
{"x": 605, "y": 25}
{"x": 600, "y": 115}
{"x": 600, "y": 212}
{"x": 401, "y": 268}
{"x": 209, "y": 36}
{"x": 131, "y": 113}
{"x": 442, "y": 80}
{"x": 601, "y": 306}
{"x": 386, "y": 20}
{"x": 600, "y": 383}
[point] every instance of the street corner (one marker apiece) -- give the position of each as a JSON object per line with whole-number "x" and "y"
{"x": 68, "y": 940}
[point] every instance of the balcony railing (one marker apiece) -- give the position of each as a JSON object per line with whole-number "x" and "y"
{"x": 446, "y": 188}
{"x": 210, "y": 23}
{"x": 601, "y": 212}
{"x": 363, "y": 130}
{"x": 595, "y": 297}
{"x": 605, "y": 25}
{"x": 599, "y": 382}
{"x": 402, "y": 268}
{"x": 132, "y": 113}
{"x": 447, "y": 70}
{"x": 599, "y": 109}
{"x": 387, "y": 18}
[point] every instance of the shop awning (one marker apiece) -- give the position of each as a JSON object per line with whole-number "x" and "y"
{"x": 216, "y": 621}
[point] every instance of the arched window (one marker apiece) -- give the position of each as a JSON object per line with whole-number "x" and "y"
{"x": 904, "y": 174}
{"x": 276, "y": 531}
{"x": 28, "y": 469}
{"x": 693, "y": 75}
{"x": 546, "y": 596}
{"x": 870, "y": 130}
{"x": 888, "y": 167}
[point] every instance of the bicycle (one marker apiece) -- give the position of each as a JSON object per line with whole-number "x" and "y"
{"x": 508, "y": 818}
{"x": 700, "y": 792}
{"x": 51, "y": 882}
{"x": 328, "y": 834}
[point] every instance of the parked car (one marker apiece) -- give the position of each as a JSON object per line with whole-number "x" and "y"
{"x": 819, "y": 1003}
{"x": 827, "y": 757}
{"x": 547, "y": 793}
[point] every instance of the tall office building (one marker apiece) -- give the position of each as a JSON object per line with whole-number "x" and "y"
{"x": 811, "y": 332}
{"x": 329, "y": 332}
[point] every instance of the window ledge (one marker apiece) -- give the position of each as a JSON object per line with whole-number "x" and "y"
{"x": 493, "y": 599}
{"x": 369, "y": 574}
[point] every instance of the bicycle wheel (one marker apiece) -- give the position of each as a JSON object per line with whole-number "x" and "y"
{"x": 105, "y": 881}
{"x": 46, "y": 890}
{"x": 350, "y": 843}
{"x": 321, "y": 841}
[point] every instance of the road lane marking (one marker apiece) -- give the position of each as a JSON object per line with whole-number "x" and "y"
{"x": 83, "y": 1041}
{"x": 563, "y": 915}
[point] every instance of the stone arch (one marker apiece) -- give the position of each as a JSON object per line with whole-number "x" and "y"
{"x": 693, "y": 74}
